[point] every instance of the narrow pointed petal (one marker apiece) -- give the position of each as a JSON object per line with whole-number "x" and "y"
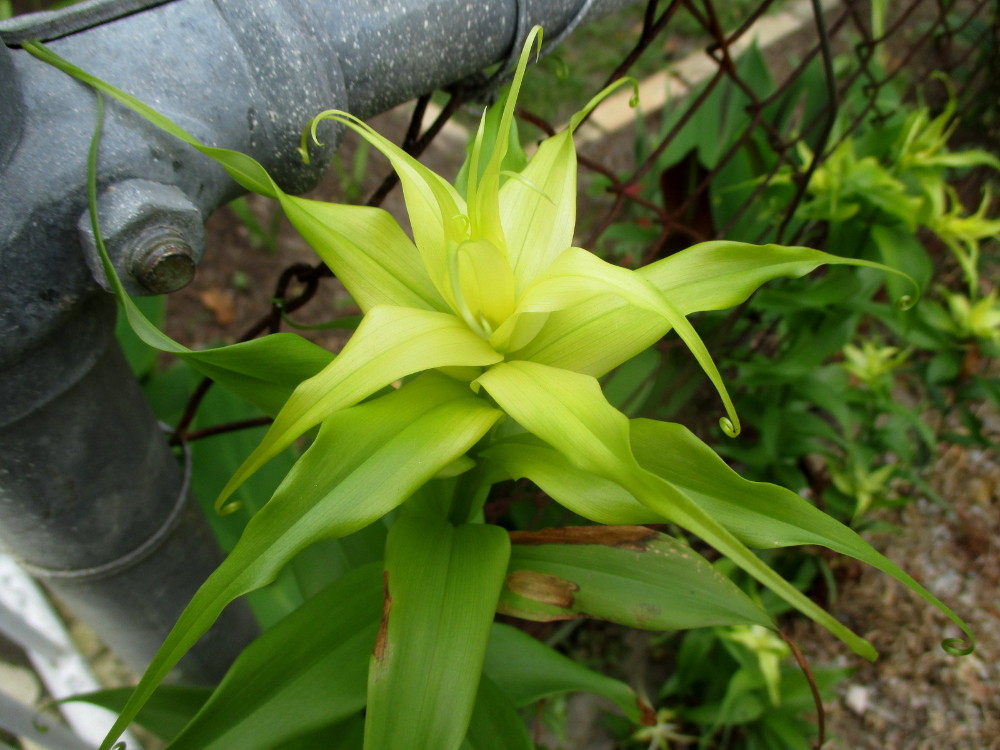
{"x": 538, "y": 211}
{"x": 436, "y": 210}
{"x": 578, "y": 276}
{"x": 595, "y": 338}
{"x": 390, "y": 343}
{"x": 484, "y": 181}
{"x": 368, "y": 251}
{"x": 719, "y": 275}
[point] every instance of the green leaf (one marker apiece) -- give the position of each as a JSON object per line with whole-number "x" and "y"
{"x": 630, "y": 575}
{"x": 763, "y": 515}
{"x": 568, "y": 411}
{"x": 307, "y": 672}
{"x": 240, "y": 167}
{"x": 901, "y": 249}
{"x": 345, "y": 735}
{"x": 366, "y": 460}
{"x": 441, "y": 589}
{"x": 165, "y": 715}
{"x": 496, "y": 723}
{"x": 390, "y": 343}
{"x": 527, "y": 671}
{"x": 263, "y": 371}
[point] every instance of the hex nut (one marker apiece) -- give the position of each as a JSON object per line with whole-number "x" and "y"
{"x": 154, "y": 234}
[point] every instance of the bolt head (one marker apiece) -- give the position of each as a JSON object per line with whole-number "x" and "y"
{"x": 162, "y": 260}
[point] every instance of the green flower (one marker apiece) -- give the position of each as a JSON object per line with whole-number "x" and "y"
{"x": 477, "y": 360}
{"x": 975, "y": 320}
{"x": 873, "y": 364}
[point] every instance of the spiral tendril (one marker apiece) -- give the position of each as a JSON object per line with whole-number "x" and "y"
{"x": 731, "y": 430}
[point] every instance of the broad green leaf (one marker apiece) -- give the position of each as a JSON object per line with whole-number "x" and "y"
{"x": 309, "y": 671}
{"x": 390, "y": 343}
{"x": 495, "y": 723}
{"x": 762, "y": 515}
{"x": 441, "y": 589}
{"x": 568, "y": 411}
{"x": 626, "y": 574}
{"x": 527, "y": 671}
{"x": 365, "y": 461}
{"x": 345, "y": 735}
{"x": 165, "y": 715}
{"x": 367, "y": 250}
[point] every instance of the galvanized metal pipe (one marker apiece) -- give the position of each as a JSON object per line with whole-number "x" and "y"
{"x": 88, "y": 487}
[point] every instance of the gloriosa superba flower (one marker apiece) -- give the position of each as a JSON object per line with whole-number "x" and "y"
{"x": 498, "y": 328}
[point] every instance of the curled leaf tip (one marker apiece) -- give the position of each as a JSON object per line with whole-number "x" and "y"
{"x": 633, "y": 100}
{"x": 959, "y": 646}
{"x": 729, "y": 427}
{"x": 539, "y": 35}
{"x": 224, "y": 509}
{"x": 906, "y": 302}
